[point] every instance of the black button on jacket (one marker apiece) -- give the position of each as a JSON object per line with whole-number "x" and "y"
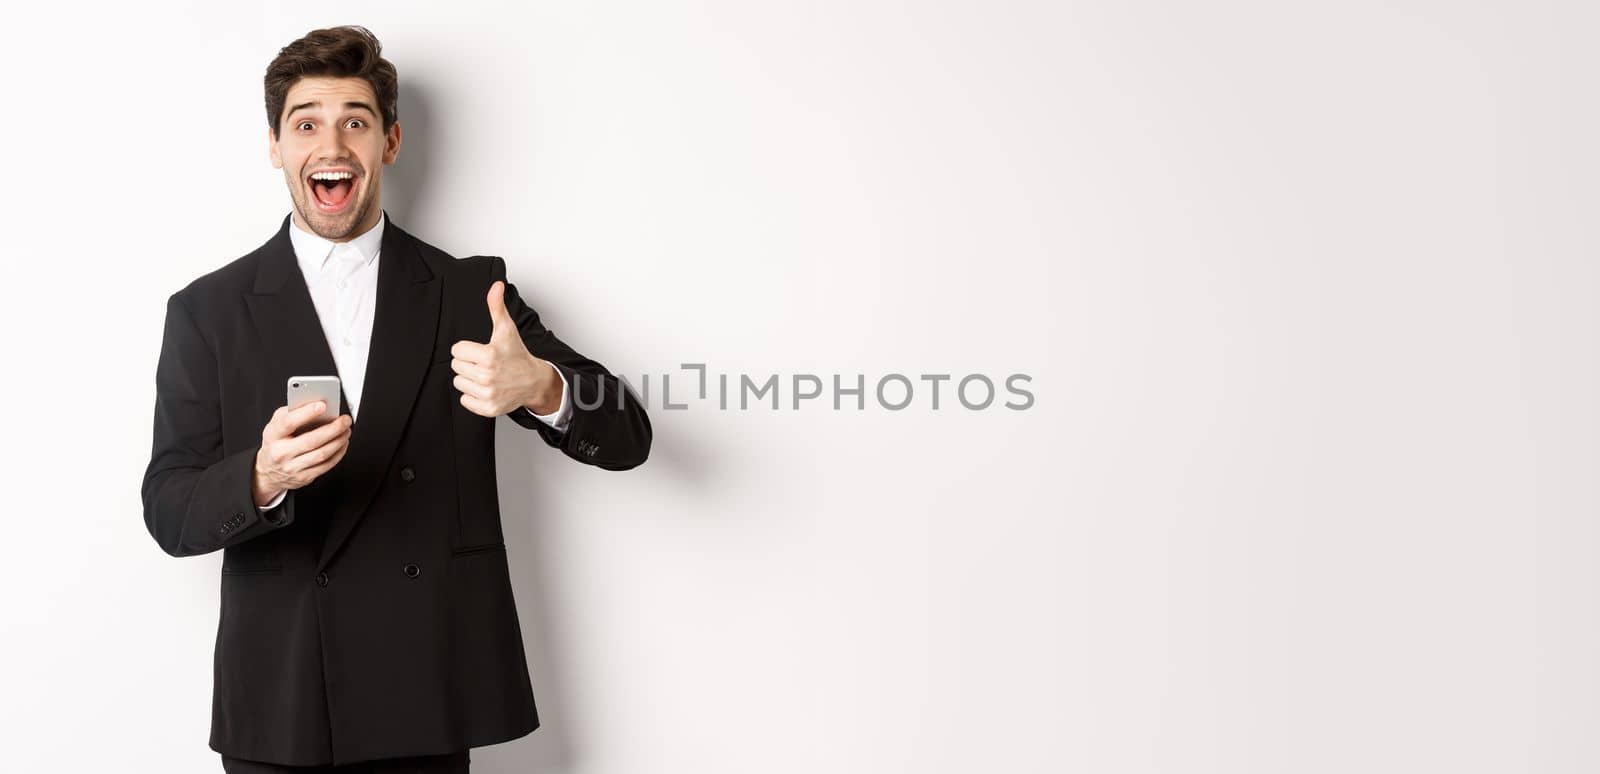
{"x": 370, "y": 614}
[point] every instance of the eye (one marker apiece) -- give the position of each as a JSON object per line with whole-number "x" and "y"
{"x": 356, "y": 121}
{"x": 302, "y": 125}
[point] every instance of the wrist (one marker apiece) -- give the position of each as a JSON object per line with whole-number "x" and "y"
{"x": 259, "y": 491}
{"x": 546, "y": 397}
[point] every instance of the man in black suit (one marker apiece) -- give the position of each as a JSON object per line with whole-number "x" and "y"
{"x": 367, "y": 620}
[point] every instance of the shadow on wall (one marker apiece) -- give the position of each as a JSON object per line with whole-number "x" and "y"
{"x": 403, "y": 190}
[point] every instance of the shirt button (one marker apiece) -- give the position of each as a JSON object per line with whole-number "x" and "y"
{"x": 407, "y": 474}
{"x": 322, "y": 579}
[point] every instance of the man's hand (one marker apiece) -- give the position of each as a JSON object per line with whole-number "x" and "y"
{"x": 289, "y": 461}
{"x": 497, "y": 377}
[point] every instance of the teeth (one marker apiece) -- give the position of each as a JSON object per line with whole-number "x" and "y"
{"x": 331, "y": 175}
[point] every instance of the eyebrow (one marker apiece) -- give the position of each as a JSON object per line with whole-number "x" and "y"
{"x": 348, "y": 106}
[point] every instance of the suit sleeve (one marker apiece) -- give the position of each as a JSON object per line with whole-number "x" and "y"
{"x": 609, "y": 428}
{"x": 196, "y": 500}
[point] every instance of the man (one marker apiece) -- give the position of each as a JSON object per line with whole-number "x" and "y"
{"x": 367, "y": 620}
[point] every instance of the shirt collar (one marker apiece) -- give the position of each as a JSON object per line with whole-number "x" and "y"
{"x": 313, "y": 251}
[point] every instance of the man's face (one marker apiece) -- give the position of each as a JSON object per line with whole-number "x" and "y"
{"x": 332, "y": 125}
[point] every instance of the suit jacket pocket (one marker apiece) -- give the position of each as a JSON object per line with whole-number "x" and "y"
{"x": 262, "y": 570}
{"x": 470, "y": 550}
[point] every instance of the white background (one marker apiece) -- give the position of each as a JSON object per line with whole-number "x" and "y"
{"x": 1307, "y": 292}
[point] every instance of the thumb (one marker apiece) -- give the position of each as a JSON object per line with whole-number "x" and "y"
{"x": 501, "y": 318}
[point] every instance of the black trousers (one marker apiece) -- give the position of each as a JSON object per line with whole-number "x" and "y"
{"x": 453, "y": 763}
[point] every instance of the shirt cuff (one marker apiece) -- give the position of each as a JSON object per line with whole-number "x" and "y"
{"x": 559, "y": 418}
{"x": 275, "y": 501}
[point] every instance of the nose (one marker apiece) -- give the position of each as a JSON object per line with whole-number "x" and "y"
{"x": 329, "y": 148}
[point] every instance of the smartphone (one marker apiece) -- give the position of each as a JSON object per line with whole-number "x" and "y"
{"x": 310, "y": 389}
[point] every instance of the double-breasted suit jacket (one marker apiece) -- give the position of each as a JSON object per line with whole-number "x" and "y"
{"x": 370, "y": 614}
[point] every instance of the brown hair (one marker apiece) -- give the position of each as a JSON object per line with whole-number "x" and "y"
{"x": 339, "y": 52}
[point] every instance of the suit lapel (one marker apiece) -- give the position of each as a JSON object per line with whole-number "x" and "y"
{"x": 280, "y": 304}
{"x": 405, "y": 322}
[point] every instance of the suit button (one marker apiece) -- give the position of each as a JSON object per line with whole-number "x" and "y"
{"x": 412, "y": 571}
{"x": 322, "y": 579}
{"x": 407, "y": 474}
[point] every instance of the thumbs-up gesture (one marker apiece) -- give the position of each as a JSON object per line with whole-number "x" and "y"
{"x": 497, "y": 377}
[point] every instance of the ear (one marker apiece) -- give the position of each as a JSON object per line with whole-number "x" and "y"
{"x": 272, "y": 150}
{"x": 391, "y": 143}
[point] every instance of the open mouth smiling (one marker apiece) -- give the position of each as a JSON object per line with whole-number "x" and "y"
{"x": 331, "y": 189}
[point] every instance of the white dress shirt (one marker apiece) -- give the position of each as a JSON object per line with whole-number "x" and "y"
{"x": 343, "y": 280}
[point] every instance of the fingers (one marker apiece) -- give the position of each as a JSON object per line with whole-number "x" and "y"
{"x": 476, "y": 406}
{"x": 286, "y": 422}
{"x": 497, "y": 304}
{"x": 303, "y": 415}
{"x": 471, "y": 351}
{"x": 316, "y": 438}
{"x": 473, "y": 371}
{"x": 468, "y": 387}
{"x": 293, "y": 461}
{"x": 279, "y": 451}
{"x": 312, "y": 474}
{"x": 503, "y": 327}
{"x": 317, "y": 461}
{"x": 277, "y": 426}
{"x": 303, "y": 476}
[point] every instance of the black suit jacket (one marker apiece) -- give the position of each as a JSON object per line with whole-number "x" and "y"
{"x": 370, "y": 614}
